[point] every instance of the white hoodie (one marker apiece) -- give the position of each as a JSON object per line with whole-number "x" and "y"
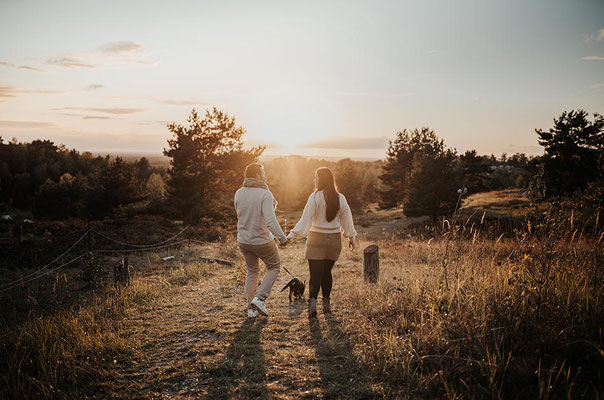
{"x": 256, "y": 220}
{"x": 314, "y": 218}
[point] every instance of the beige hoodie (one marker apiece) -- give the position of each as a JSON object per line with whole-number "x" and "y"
{"x": 256, "y": 220}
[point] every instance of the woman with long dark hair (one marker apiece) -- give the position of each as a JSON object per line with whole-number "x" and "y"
{"x": 326, "y": 216}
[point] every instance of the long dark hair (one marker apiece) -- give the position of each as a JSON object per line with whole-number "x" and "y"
{"x": 327, "y": 183}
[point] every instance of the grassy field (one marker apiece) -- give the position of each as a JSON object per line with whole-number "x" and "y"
{"x": 458, "y": 312}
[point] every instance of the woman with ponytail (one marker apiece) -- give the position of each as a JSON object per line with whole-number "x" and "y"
{"x": 326, "y": 216}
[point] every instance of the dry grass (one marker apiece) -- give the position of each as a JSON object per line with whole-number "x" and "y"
{"x": 497, "y": 204}
{"x": 57, "y": 355}
{"x": 464, "y": 313}
{"x": 501, "y": 319}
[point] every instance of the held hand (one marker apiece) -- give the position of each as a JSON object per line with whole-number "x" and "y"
{"x": 352, "y": 244}
{"x": 283, "y": 244}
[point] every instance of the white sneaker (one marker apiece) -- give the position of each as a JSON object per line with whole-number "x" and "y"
{"x": 260, "y": 306}
{"x": 251, "y": 313}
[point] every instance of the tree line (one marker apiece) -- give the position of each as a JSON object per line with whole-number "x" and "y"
{"x": 421, "y": 173}
{"x": 57, "y": 183}
{"x": 425, "y": 176}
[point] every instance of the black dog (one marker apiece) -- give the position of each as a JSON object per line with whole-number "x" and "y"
{"x": 296, "y": 288}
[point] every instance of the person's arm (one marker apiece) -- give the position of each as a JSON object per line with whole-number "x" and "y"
{"x": 305, "y": 222}
{"x": 270, "y": 219}
{"x": 346, "y": 220}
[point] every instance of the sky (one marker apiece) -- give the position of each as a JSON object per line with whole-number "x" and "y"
{"x": 316, "y": 78}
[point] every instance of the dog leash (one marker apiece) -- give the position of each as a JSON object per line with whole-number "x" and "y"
{"x": 286, "y": 270}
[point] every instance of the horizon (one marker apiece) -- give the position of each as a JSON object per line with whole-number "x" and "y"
{"x": 314, "y": 79}
{"x": 262, "y": 158}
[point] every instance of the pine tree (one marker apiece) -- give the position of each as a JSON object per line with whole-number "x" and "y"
{"x": 432, "y": 185}
{"x": 399, "y": 162}
{"x": 574, "y": 154}
{"x": 474, "y": 170}
{"x": 207, "y": 162}
{"x": 155, "y": 188}
{"x": 114, "y": 185}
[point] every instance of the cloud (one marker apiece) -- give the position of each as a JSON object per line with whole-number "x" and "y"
{"x": 38, "y": 91}
{"x": 593, "y": 58}
{"x": 25, "y": 67}
{"x": 597, "y": 85}
{"x": 26, "y": 124}
{"x": 598, "y": 37}
{"x": 28, "y": 68}
{"x": 94, "y": 86}
{"x": 102, "y": 110}
{"x": 142, "y": 62}
{"x": 378, "y": 95}
{"x": 95, "y": 117}
{"x": 69, "y": 62}
{"x": 120, "y": 47}
{"x": 110, "y": 54}
{"x": 7, "y": 92}
{"x": 84, "y": 116}
{"x": 350, "y": 143}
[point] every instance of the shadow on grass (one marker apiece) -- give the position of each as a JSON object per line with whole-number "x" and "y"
{"x": 242, "y": 371}
{"x": 342, "y": 375}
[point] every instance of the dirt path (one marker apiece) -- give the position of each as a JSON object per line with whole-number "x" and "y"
{"x": 199, "y": 343}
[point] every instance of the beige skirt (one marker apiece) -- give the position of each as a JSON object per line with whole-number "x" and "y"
{"x": 323, "y": 246}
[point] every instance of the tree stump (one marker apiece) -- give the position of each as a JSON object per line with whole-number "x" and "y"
{"x": 371, "y": 263}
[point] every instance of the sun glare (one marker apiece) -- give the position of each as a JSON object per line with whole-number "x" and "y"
{"x": 295, "y": 121}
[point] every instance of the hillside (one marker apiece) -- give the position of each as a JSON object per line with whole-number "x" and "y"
{"x": 462, "y": 315}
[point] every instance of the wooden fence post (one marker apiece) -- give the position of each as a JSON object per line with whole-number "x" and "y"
{"x": 122, "y": 272}
{"x": 89, "y": 236}
{"x": 371, "y": 263}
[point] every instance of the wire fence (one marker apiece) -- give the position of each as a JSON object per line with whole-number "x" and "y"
{"x": 21, "y": 282}
{"x": 50, "y": 263}
{"x": 141, "y": 245}
{"x": 45, "y": 271}
{"x": 143, "y": 249}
